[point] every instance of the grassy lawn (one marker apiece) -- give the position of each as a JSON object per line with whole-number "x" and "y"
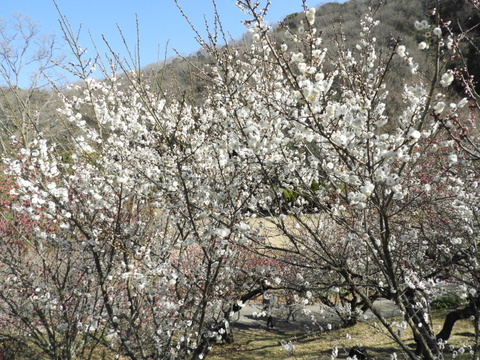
{"x": 267, "y": 344}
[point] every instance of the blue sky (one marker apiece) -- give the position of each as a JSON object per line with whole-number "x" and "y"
{"x": 160, "y": 23}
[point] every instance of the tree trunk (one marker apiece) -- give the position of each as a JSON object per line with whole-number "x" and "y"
{"x": 453, "y": 317}
{"x": 427, "y": 347}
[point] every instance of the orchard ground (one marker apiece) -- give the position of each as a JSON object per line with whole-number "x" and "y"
{"x": 254, "y": 340}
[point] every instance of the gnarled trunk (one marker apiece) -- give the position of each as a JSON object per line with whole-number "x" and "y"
{"x": 460, "y": 314}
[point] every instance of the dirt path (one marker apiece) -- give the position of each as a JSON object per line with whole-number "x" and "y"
{"x": 251, "y": 317}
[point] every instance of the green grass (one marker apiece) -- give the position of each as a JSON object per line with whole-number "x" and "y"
{"x": 267, "y": 344}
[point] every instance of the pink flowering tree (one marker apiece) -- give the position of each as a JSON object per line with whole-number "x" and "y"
{"x": 46, "y": 293}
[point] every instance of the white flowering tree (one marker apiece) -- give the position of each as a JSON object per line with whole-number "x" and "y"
{"x": 371, "y": 196}
{"x": 145, "y": 208}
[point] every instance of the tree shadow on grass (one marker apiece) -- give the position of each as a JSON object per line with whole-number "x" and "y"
{"x": 343, "y": 352}
{"x": 466, "y": 334}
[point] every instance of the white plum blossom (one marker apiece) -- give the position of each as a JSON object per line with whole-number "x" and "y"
{"x": 297, "y": 57}
{"x": 439, "y": 107}
{"x": 452, "y": 158}
{"x": 423, "y": 45}
{"x": 447, "y": 78}
{"x": 421, "y": 25}
{"x": 302, "y": 67}
{"x": 449, "y": 44}
{"x": 462, "y": 102}
{"x": 310, "y": 13}
{"x": 414, "y": 134}
{"x": 367, "y": 189}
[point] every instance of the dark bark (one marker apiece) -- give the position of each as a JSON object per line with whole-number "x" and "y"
{"x": 359, "y": 352}
{"x": 453, "y": 317}
{"x": 251, "y": 295}
{"x": 426, "y": 344}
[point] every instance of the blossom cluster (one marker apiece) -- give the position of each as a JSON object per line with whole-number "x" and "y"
{"x": 153, "y": 204}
